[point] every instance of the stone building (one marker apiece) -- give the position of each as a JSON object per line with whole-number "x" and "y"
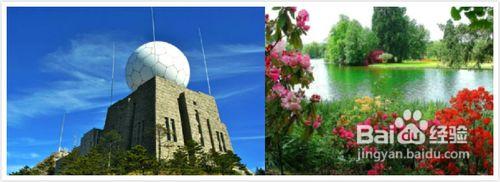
{"x": 161, "y": 116}
{"x": 89, "y": 139}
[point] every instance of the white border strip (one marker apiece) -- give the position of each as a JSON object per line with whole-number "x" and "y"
{"x": 3, "y": 98}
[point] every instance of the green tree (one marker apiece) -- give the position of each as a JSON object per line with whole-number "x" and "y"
{"x": 336, "y": 41}
{"x": 451, "y": 41}
{"x": 260, "y": 171}
{"x": 390, "y": 24}
{"x": 314, "y": 49}
{"x": 349, "y": 43}
{"x": 138, "y": 159}
{"x": 418, "y": 40}
{"x": 464, "y": 45}
{"x": 482, "y": 51}
{"x": 26, "y": 170}
{"x": 435, "y": 50}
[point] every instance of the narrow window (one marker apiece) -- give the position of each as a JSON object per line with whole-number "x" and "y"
{"x": 218, "y": 140}
{"x": 168, "y": 128}
{"x": 223, "y": 142}
{"x": 210, "y": 133}
{"x": 173, "y": 130}
{"x": 202, "y": 142}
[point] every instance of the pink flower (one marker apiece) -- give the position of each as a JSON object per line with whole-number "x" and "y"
{"x": 279, "y": 47}
{"x": 384, "y": 116}
{"x": 317, "y": 122}
{"x": 434, "y": 122}
{"x": 368, "y": 121}
{"x": 294, "y": 60}
{"x": 280, "y": 89}
{"x": 293, "y": 9}
{"x": 369, "y": 149}
{"x": 275, "y": 55}
{"x": 294, "y": 106}
{"x": 305, "y": 62}
{"x": 274, "y": 73}
{"x": 315, "y": 98}
{"x": 290, "y": 101}
{"x": 348, "y": 134}
{"x": 302, "y": 18}
{"x": 345, "y": 134}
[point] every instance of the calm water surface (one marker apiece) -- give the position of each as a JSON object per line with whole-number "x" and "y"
{"x": 424, "y": 84}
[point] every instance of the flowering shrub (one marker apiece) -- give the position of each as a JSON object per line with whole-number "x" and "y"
{"x": 470, "y": 108}
{"x": 473, "y": 109}
{"x": 288, "y": 73}
{"x": 337, "y": 151}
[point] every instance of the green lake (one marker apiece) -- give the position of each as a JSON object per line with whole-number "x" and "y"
{"x": 413, "y": 84}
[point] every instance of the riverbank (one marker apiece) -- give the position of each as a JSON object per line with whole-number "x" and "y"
{"x": 427, "y": 64}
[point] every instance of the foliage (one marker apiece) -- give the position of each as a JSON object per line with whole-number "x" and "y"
{"x": 315, "y": 50}
{"x": 418, "y": 40}
{"x": 374, "y": 57}
{"x": 190, "y": 159}
{"x": 336, "y": 153}
{"x": 463, "y": 45}
{"x": 288, "y": 72}
{"x": 260, "y": 171}
{"x": 480, "y": 17}
{"x": 390, "y": 24}
{"x": 435, "y": 50}
{"x": 385, "y": 57}
{"x": 349, "y": 43}
{"x": 26, "y": 170}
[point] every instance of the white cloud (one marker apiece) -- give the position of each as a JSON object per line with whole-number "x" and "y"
{"x": 29, "y": 142}
{"x": 227, "y": 94}
{"x": 31, "y": 155}
{"x": 226, "y": 61}
{"x": 83, "y": 79}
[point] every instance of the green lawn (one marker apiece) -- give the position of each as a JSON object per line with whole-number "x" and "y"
{"x": 426, "y": 64}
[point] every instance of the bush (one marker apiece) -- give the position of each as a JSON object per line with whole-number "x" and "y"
{"x": 385, "y": 57}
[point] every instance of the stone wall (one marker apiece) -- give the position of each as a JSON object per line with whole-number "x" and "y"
{"x": 161, "y": 116}
{"x": 133, "y": 118}
{"x": 89, "y": 140}
{"x": 203, "y": 121}
{"x": 169, "y": 131}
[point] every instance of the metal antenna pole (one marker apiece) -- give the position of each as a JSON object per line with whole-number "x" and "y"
{"x": 112, "y": 77}
{"x": 204, "y": 61}
{"x": 61, "y": 134}
{"x": 154, "y": 33}
{"x": 153, "y": 23}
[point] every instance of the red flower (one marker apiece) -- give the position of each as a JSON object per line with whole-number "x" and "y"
{"x": 486, "y": 121}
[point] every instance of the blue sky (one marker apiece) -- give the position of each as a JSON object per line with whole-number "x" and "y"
{"x": 59, "y": 60}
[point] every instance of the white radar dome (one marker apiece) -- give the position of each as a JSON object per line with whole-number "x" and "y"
{"x": 157, "y": 59}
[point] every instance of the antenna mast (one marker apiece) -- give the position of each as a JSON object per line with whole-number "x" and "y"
{"x": 154, "y": 33}
{"x": 61, "y": 134}
{"x": 153, "y": 23}
{"x": 204, "y": 61}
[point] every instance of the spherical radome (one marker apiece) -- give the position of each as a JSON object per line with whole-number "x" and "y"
{"x": 157, "y": 59}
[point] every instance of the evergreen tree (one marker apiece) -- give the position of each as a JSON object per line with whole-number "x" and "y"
{"x": 390, "y": 24}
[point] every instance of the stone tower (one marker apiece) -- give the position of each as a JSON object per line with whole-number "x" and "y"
{"x": 161, "y": 116}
